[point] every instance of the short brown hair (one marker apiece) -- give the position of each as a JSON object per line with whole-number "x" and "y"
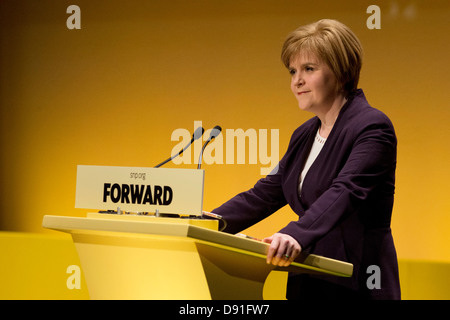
{"x": 334, "y": 44}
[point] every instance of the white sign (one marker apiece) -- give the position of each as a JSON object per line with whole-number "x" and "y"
{"x": 177, "y": 191}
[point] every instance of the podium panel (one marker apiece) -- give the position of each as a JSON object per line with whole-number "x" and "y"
{"x": 142, "y": 257}
{"x": 120, "y": 266}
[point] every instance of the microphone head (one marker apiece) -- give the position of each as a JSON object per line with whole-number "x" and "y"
{"x": 198, "y": 133}
{"x": 215, "y": 132}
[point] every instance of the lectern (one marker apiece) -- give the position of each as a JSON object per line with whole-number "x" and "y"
{"x": 148, "y": 257}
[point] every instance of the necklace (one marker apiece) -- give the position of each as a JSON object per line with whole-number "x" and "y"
{"x": 319, "y": 139}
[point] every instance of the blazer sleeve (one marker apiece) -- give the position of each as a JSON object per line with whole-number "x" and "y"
{"x": 371, "y": 162}
{"x": 252, "y": 206}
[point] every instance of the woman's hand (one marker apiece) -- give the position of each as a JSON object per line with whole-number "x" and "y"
{"x": 283, "y": 249}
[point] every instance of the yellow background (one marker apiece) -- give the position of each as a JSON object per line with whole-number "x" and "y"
{"x": 113, "y": 92}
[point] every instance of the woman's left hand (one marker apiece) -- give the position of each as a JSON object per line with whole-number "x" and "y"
{"x": 283, "y": 249}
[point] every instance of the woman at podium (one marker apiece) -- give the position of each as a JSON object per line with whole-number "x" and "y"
{"x": 337, "y": 175}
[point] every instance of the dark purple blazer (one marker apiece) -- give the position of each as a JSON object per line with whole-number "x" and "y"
{"x": 345, "y": 206}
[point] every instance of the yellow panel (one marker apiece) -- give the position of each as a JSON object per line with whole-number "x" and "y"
{"x": 34, "y": 266}
{"x": 424, "y": 280}
{"x": 134, "y": 267}
{"x": 275, "y": 286}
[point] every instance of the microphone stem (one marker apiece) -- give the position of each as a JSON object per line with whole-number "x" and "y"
{"x": 201, "y": 154}
{"x": 175, "y": 155}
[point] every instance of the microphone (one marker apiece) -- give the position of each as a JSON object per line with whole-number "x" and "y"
{"x": 197, "y": 134}
{"x": 214, "y": 133}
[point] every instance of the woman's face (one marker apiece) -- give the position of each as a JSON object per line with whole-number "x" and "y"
{"x": 313, "y": 83}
